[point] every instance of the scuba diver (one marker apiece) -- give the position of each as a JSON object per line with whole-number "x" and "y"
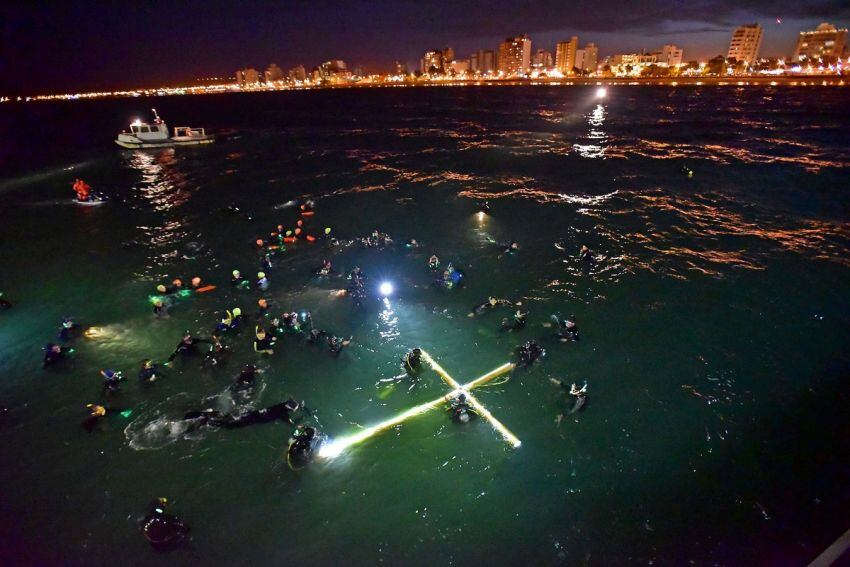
{"x": 263, "y": 307}
{"x": 302, "y": 446}
{"x": 585, "y": 254}
{"x": 68, "y": 330}
{"x": 163, "y": 531}
{"x": 159, "y": 308}
{"x": 187, "y": 346}
{"x": 217, "y": 352}
{"x": 266, "y": 262}
{"x": 567, "y": 330}
{"x": 489, "y": 305}
{"x": 325, "y": 270}
{"x": 335, "y": 344}
{"x": 282, "y": 411}
{"x": 433, "y": 263}
{"x": 510, "y": 248}
{"x": 230, "y": 321}
{"x": 412, "y": 361}
{"x": 262, "y": 281}
{"x": 450, "y": 278}
{"x": 54, "y": 354}
{"x": 4, "y": 303}
{"x": 517, "y": 322}
{"x": 246, "y": 378}
{"x": 579, "y": 395}
{"x": 111, "y": 381}
{"x": 263, "y": 343}
{"x": 460, "y": 409}
{"x": 236, "y": 279}
{"x": 315, "y": 335}
{"x": 96, "y": 414}
{"x": 529, "y": 353}
{"x": 148, "y": 371}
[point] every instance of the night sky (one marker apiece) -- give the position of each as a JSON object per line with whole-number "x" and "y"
{"x": 76, "y": 46}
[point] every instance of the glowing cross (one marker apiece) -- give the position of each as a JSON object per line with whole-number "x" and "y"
{"x": 337, "y": 446}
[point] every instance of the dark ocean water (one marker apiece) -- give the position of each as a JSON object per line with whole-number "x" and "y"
{"x": 714, "y": 326}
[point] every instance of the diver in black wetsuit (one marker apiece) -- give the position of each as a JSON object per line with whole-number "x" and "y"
{"x": 567, "y": 330}
{"x": 488, "y": 305}
{"x": 302, "y": 445}
{"x": 460, "y": 409}
{"x": 218, "y": 351}
{"x": 579, "y": 398}
{"x": 163, "y": 531}
{"x": 412, "y": 361}
{"x": 515, "y": 323}
{"x": 54, "y": 354}
{"x": 148, "y": 371}
{"x": 187, "y": 347}
{"x": 315, "y": 335}
{"x": 529, "y": 353}
{"x": 68, "y": 330}
{"x": 336, "y": 344}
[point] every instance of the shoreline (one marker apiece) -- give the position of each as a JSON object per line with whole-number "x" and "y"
{"x": 730, "y": 81}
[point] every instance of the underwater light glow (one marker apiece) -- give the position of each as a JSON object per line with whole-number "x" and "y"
{"x": 336, "y": 447}
{"x": 601, "y": 92}
{"x": 386, "y": 289}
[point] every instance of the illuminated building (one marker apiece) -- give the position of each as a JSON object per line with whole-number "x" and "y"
{"x": 565, "y": 55}
{"x": 245, "y": 77}
{"x": 400, "y": 68}
{"x": 542, "y": 60}
{"x": 297, "y": 74}
{"x": 483, "y": 61}
{"x": 448, "y": 56}
{"x": 824, "y": 45}
{"x": 274, "y": 73}
{"x": 669, "y": 55}
{"x": 431, "y": 62}
{"x": 459, "y": 66}
{"x": 590, "y": 58}
{"x": 745, "y": 44}
{"x": 515, "y": 55}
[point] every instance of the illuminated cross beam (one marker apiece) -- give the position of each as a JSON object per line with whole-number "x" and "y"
{"x": 337, "y": 446}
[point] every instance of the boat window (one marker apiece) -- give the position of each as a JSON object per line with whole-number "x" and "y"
{"x": 145, "y": 129}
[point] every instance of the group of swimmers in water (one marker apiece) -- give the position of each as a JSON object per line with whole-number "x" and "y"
{"x": 164, "y": 530}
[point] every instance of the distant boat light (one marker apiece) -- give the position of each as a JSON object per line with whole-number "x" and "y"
{"x": 601, "y": 92}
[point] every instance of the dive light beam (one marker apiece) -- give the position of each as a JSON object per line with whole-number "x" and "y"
{"x": 338, "y": 446}
{"x": 476, "y": 405}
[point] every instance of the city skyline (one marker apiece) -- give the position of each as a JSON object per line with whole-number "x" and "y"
{"x": 182, "y": 43}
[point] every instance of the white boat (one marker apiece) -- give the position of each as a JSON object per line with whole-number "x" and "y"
{"x": 143, "y": 135}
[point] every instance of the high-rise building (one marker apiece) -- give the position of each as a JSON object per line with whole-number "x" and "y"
{"x": 542, "y": 60}
{"x": 565, "y": 55}
{"x": 297, "y": 74}
{"x": 515, "y": 55}
{"x": 248, "y": 76}
{"x": 482, "y": 61}
{"x": 824, "y": 45}
{"x": 670, "y": 55}
{"x": 745, "y": 44}
{"x": 591, "y": 57}
{"x": 448, "y": 56}
{"x": 432, "y": 62}
{"x": 274, "y": 73}
{"x": 459, "y": 66}
{"x": 400, "y": 68}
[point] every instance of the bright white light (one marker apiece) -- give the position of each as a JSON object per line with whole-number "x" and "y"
{"x": 386, "y": 289}
{"x": 136, "y": 122}
{"x": 601, "y": 92}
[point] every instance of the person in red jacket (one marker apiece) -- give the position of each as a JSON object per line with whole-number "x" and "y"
{"x": 82, "y": 189}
